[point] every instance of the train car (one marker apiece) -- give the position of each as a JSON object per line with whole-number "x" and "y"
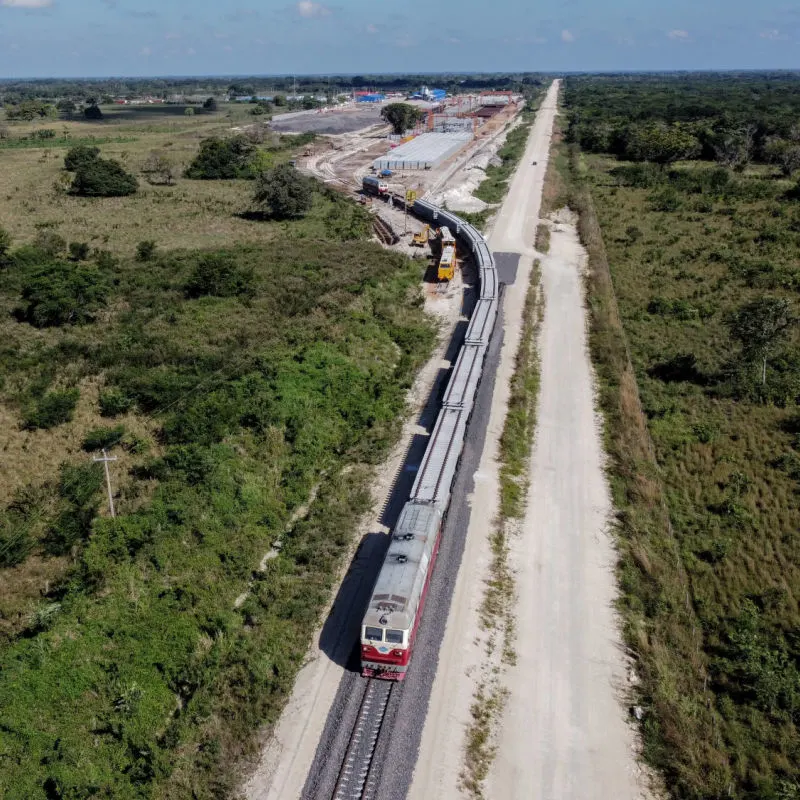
{"x": 374, "y": 185}
{"x": 447, "y": 263}
{"x": 395, "y": 608}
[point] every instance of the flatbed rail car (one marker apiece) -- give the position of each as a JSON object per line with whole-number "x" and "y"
{"x": 373, "y": 185}
{"x": 390, "y": 624}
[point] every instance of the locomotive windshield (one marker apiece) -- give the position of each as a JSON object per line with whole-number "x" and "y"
{"x": 373, "y": 634}
{"x": 394, "y": 637}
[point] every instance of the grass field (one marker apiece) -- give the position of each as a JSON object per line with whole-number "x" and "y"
{"x": 187, "y": 214}
{"x": 241, "y": 369}
{"x": 707, "y": 493}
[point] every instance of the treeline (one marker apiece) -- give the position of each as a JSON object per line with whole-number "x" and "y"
{"x": 732, "y": 120}
{"x": 13, "y": 92}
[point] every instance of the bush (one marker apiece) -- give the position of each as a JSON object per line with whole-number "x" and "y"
{"x": 101, "y": 438}
{"x": 220, "y": 159}
{"x": 79, "y": 251}
{"x": 79, "y": 156}
{"x": 53, "y": 408}
{"x": 93, "y": 112}
{"x": 282, "y": 193}
{"x": 146, "y": 250}
{"x": 219, "y": 275}
{"x": 78, "y": 488}
{"x": 113, "y": 402}
{"x": 210, "y": 104}
{"x": 5, "y": 246}
{"x": 62, "y": 294}
{"x": 15, "y": 542}
{"x": 103, "y": 178}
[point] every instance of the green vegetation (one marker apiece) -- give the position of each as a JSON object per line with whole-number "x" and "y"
{"x": 262, "y": 372}
{"x": 101, "y": 177}
{"x": 283, "y": 193}
{"x": 223, "y": 159}
{"x": 51, "y": 409}
{"x": 401, "y": 116}
{"x": 698, "y": 358}
{"x": 79, "y": 156}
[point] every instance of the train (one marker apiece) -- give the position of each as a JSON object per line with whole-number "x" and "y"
{"x": 373, "y": 185}
{"x": 390, "y": 623}
{"x": 447, "y": 261}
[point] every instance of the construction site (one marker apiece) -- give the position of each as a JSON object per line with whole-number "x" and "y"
{"x": 443, "y": 158}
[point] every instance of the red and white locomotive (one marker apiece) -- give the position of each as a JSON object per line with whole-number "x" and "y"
{"x": 395, "y": 608}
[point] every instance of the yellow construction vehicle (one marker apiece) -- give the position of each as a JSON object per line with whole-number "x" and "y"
{"x": 422, "y": 237}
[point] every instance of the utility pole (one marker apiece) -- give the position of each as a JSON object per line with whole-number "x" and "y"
{"x": 105, "y": 459}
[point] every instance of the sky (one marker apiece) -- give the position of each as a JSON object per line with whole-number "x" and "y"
{"x": 69, "y": 38}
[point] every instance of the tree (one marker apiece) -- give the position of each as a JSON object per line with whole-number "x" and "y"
{"x": 146, "y": 250}
{"x": 30, "y": 109}
{"x": 103, "y": 178}
{"x": 222, "y": 159}
{"x": 188, "y": 111}
{"x": 401, "y": 116}
{"x": 93, "y": 112}
{"x": 258, "y": 110}
{"x": 79, "y": 155}
{"x": 785, "y": 154}
{"x": 283, "y": 192}
{"x": 759, "y": 326}
{"x": 157, "y": 169}
{"x": 734, "y": 147}
{"x": 66, "y": 106}
{"x": 63, "y": 294}
{"x": 210, "y": 104}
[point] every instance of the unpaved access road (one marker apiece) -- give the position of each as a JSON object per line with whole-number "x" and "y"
{"x": 563, "y": 735}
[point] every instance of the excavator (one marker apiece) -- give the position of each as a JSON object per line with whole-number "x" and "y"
{"x": 422, "y": 237}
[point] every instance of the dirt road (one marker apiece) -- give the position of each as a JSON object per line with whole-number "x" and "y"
{"x": 563, "y": 735}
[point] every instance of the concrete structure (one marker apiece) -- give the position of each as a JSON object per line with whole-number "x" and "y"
{"x": 424, "y": 152}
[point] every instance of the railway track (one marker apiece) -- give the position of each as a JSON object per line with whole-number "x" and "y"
{"x": 357, "y": 780}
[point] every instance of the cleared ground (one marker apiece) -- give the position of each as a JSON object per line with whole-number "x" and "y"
{"x": 332, "y": 122}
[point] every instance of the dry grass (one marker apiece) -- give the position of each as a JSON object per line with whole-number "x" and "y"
{"x": 543, "y": 237}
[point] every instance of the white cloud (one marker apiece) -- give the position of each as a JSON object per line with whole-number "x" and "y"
{"x": 567, "y": 36}
{"x": 190, "y": 51}
{"x": 172, "y": 36}
{"x": 307, "y": 9}
{"x": 539, "y": 40}
{"x": 146, "y": 51}
{"x": 773, "y": 34}
{"x": 678, "y": 35}
{"x": 26, "y": 3}
{"x": 228, "y": 48}
{"x": 453, "y": 40}
{"x": 372, "y": 28}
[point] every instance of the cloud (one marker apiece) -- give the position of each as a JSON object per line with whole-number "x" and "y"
{"x": 172, "y": 36}
{"x": 26, "y": 3}
{"x": 228, "y": 48}
{"x": 678, "y": 35}
{"x": 372, "y": 28}
{"x": 308, "y": 9}
{"x": 190, "y": 51}
{"x": 146, "y": 51}
{"x": 567, "y": 36}
{"x": 773, "y": 34}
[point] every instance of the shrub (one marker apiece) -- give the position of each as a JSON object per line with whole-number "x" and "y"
{"x": 78, "y": 488}
{"x": 210, "y": 104}
{"x": 49, "y": 243}
{"x": 219, "y": 275}
{"x": 282, "y": 193}
{"x": 63, "y": 293}
{"x": 5, "y": 246}
{"x": 222, "y": 159}
{"x": 79, "y": 251}
{"x": 79, "y": 156}
{"x": 93, "y": 112}
{"x": 114, "y": 402}
{"x": 145, "y": 250}
{"x": 100, "y": 438}
{"x": 15, "y": 542}
{"x": 103, "y": 178}
{"x": 53, "y": 408}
